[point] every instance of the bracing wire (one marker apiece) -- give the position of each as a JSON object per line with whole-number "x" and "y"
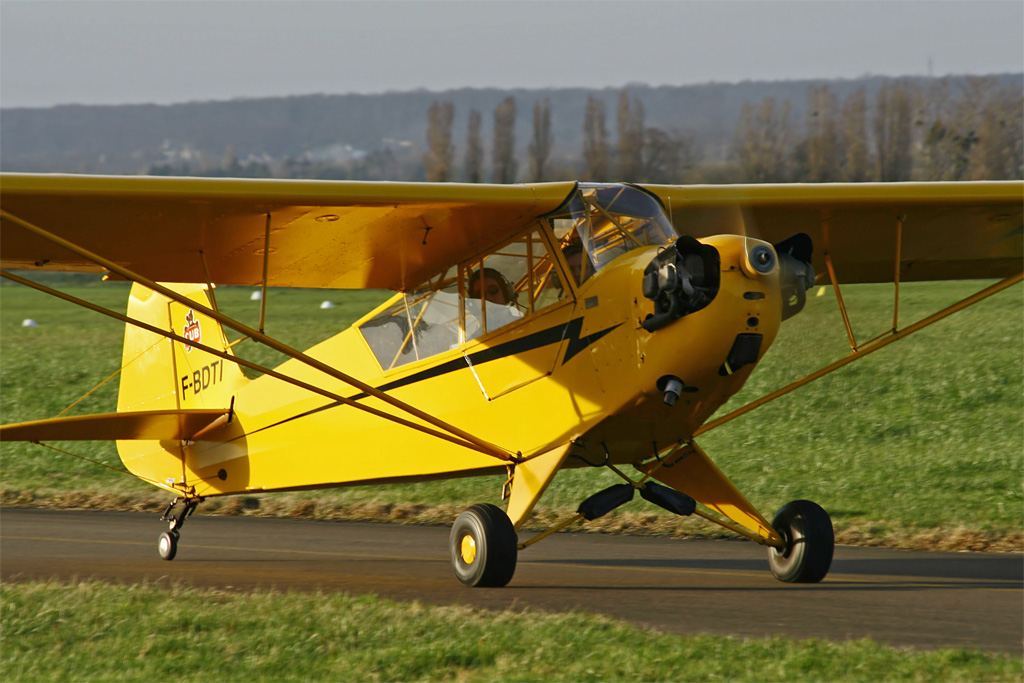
{"x": 97, "y": 462}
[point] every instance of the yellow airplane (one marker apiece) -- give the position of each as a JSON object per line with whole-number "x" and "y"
{"x": 534, "y": 328}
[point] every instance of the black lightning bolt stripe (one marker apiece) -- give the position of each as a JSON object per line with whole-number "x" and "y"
{"x": 551, "y": 335}
{"x": 577, "y": 343}
{"x": 545, "y": 337}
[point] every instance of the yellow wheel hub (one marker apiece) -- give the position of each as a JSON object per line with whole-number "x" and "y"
{"x": 468, "y": 549}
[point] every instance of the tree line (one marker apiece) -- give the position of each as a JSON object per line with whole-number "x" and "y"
{"x": 969, "y": 128}
{"x": 640, "y": 154}
{"x": 972, "y": 131}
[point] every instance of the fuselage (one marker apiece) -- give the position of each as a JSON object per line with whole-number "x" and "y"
{"x": 596, "y": 326}
{"x": 581, "y": 369}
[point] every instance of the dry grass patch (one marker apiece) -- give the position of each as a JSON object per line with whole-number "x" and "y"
{"x": 852, "y": 532}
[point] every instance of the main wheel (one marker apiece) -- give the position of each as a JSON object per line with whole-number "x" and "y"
{"x": 810, "y": 540}
{"x": 483, "y": 545}
{"x": 168, "y": 545}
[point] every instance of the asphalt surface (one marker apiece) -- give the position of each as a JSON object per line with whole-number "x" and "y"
{"x": 917, "y": 599}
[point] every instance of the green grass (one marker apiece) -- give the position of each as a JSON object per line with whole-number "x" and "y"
{"x": 923, "y": 437}
{"x": 927, "y": 431}
{"x": 95, "y": 632}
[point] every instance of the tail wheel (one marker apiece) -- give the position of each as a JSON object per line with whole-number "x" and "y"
{"x": 483, "y": 545}
{"x": 810, "y": 540}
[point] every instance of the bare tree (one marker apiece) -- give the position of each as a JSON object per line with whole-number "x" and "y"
{"x": 971, "y": 131}
{"x": 474, "y": 149}
{"x": 504, "y": 155}
{"x": 853, "y": 137}
{"x": 438, "y": 159}
{"x": 999, "y": 154}
{"x": 631, "y": 137}
{"x": 823, "y": 143}
{"x": 937, "y": 156}
{"x": 540, "y": 147}
{"x": 229, "y": 166}
{"x": 762, "y": 141}
{"x": 595, "y": 140}
{"x": 892, "y": 126}
{"x": 667, "y": 156}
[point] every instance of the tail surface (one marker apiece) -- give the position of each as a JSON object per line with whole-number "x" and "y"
{"x": 158, "y": 373}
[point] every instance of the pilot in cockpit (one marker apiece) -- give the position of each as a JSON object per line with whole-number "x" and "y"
{"x": 498, "y": 294}
{"x": 573, "y": 253}
{"x": 579, "y": 265}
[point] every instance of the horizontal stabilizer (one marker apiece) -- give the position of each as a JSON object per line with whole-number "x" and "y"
{"x": 152, "y": 424}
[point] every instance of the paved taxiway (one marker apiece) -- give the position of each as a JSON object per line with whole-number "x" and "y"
{"x": 682, "y": 586}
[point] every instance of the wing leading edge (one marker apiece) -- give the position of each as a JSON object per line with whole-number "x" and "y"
{"x": 395, "y": 235}
{"x": 947, "y": 231}
{"x": 326, "y": 234}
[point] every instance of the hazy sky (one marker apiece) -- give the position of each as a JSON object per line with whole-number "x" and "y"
{"x": 164, "y": 51}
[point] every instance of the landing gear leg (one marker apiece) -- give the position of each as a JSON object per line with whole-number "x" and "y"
{"x": 168, "y": 543}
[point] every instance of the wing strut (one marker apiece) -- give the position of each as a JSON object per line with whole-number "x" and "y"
{"x": 243, "y": 362}
{"x": 266, "y": 267}
{"x": 860, "y": 352}
{"x": 209, "y": 282}
{"x": 839, "y": 295}
{"x": 477, "y": 443}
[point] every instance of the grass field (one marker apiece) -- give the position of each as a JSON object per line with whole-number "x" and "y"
{"x": 94, "y": 632}
{"x": 919, "y": 444}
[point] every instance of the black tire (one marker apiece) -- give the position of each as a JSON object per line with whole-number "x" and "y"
{"x": 810, "y": 541}
{"x": 483, "y": 545}
{"x": 167, "y": 546}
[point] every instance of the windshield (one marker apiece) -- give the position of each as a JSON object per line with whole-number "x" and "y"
{"x": 605, "y": 221}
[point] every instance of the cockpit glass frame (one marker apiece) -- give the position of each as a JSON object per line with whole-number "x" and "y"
{"x": 608, "y": 220}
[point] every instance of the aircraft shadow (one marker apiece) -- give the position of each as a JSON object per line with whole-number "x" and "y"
{"x": 826, "y": 585}
{"x": 991, "y": 570}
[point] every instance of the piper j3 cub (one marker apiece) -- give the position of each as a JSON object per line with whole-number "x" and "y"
{"x": 534, "y": 328}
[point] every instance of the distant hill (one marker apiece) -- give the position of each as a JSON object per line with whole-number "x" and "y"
{"x": 133, "y": 138}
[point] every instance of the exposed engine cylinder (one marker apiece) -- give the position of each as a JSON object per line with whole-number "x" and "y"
{"x": 680, "y": 280}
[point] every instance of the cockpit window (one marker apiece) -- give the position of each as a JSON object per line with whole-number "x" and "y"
{"x": 509, "y": 283}
{"x": 601, "y": 222}
{"x": 467, "y": 301}
{"x": 422, "y": 323}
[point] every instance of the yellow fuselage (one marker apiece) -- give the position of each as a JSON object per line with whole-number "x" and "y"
{"x": 582, "y": 370}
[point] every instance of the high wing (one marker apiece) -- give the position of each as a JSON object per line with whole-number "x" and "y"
{"x": 149, "y": 424}
{"x": 940, "y": 231}
{"x": 349, "y": 235}
{"x": 395, "y": 235}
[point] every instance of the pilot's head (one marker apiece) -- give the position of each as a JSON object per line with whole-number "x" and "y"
{"x": 493, "y": 287}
